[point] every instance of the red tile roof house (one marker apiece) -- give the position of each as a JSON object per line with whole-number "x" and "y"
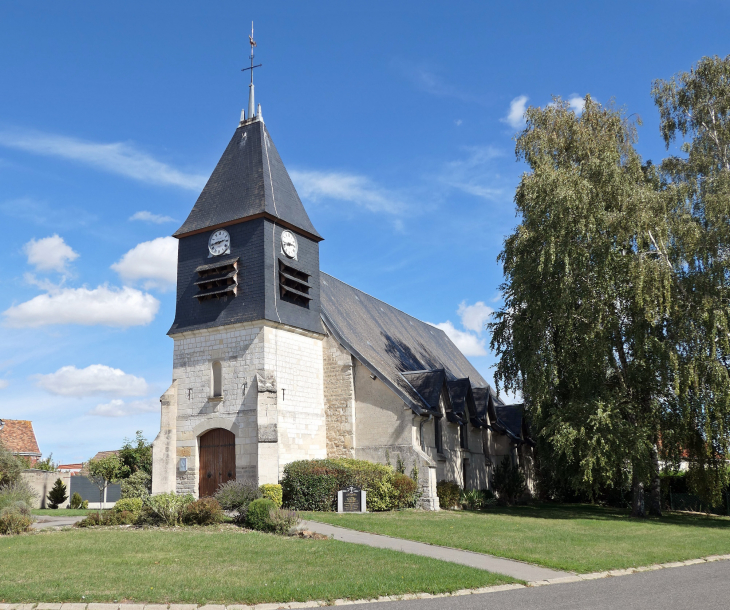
{"x": 18, "y": 437}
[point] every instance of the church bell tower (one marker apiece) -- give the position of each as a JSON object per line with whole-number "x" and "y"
{"x": 246, "y": 396}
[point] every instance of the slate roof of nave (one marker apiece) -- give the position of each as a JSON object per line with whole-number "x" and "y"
{"x": 390, "y": 342}
{"x": 250, "y": 180}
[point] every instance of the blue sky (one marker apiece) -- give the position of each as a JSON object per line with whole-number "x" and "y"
{"x": 395, "y": 120}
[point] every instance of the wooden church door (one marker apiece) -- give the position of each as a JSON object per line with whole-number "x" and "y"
{"x": 217, "y": 460}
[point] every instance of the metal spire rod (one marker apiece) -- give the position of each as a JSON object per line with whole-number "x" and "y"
{"x": 251, "y": 106}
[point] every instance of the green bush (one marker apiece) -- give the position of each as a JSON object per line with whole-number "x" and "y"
{"x": 17, "y": 491}
{"x": 206, "y": 511}
{"x": 166, "y": 508}
{"x": 449, "y": 494}
{"x": 282, "y": 520}
{"x": 137, "y": 485}
{"x": 272, "y": 492}
{"x": 406, "y": 491}
{"x": 508, "y": 481}
{"x": 235, "y": 496}
{"x": 132, "y": 505}
{"x": 258, "y": 516}
{"x": 76, "y": 501}
{"x": 472, "y": 499}
{"x": 313, "y": 484}
{"x": 15, "y": 518}
{"x": 10, "y": 466}
{"x": 108, "y": 517}
{"x": 57, "y": 495}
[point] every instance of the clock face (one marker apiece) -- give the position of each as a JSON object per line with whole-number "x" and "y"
{"x": 289, "y": 244}
{"x": 219, "y": 243}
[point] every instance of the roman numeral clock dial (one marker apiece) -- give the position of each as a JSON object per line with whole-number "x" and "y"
{"x": 219, "y": 243}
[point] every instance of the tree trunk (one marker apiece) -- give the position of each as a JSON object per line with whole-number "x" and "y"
{"x": 637, "y": 504}
{"x": 655, "y": 502}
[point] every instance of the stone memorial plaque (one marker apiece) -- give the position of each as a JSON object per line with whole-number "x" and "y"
{"x": 351, "y": 500}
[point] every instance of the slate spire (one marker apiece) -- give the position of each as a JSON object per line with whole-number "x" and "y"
{"x": 250, "y": 181}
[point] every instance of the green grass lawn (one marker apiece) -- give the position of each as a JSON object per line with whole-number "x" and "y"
{"x": 213, "y": 565}
{"x": 578, "y": 538}
{"x": 61, "y": 512}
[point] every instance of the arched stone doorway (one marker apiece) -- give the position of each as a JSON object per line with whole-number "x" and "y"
{"x": 217, "y": 460}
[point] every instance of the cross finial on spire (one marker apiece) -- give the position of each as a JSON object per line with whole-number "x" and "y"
{"x": 251, "y": 105}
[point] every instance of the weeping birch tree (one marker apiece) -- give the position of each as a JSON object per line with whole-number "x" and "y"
{"x": 694, "y": 108}
{"x": 583, "y": 333}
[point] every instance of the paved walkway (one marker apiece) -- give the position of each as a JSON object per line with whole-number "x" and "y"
{"x": 46, "y": 521}
{"x": 515, "y": 569}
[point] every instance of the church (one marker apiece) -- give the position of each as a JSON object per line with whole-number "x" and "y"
{"x": 276, "y": 361}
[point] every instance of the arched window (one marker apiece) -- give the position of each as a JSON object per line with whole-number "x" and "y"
{"x": 217, "y": 379}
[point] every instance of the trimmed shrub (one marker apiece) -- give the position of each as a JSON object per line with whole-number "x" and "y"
{"x": 132, "y": 505}
{"x": 166, "y": 508}
{"x": 137, "y": 485}
{"x": 449, "y": 494}
{"x": 235, "y": 496}
{"x": 206, "y": 511}
{"x": 15, "y": 518}
{"x": 17, "y": 491}
{"x": 406, "y": 491}
{"x": 272, "y": 492}
{"x": 508, "y": 481}
{"x": 57, "y": 495}
{"x": 258, "y": 516}
{"x": 310, "y": 485}
{"x": 313, "y": 484}
{"x": 76, "y": 501}
{"x": 282, "y": 520}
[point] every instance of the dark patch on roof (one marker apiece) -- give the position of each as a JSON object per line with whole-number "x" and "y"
{"x": 391, "y": 342}
{"x": 241, "y": 186}
{"x": 429, "y": 385}
{"x": 510, "y": 420}
{"x": 463, "y": 408}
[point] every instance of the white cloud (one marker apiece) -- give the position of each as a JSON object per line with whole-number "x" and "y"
{"x": 4, "y": 383}
{"x": 116, "y": 157}
{"x": 154, "y": 261}
{"x": 577, "y": 103}
{"x": 50, "y": 253}
{"x": 474, "y": 317}
{"x": 89, "y": 307}
{"x": 474, "y": 175}
{"x": 458, "y": 122}
{"x": 468, "y": 343}
{"x": 347, "y": 187}
{"x": 119, "y": 408}
{"x": 94, "y": 380}
{"x": 515, "y": 117}
{"x": 150, "y": 217}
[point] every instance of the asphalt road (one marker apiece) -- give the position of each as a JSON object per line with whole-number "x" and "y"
{"x": 703, "y": 586}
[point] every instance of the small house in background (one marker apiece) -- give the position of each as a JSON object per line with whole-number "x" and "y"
{"x": 17, "y": 436}
{"x": 72, "y": 469}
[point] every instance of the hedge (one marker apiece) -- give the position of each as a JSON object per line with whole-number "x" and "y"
{"x": 313, "y": 484}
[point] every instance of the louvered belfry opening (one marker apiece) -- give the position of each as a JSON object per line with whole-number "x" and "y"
{"x": 216, "y": 280}
{"x": 294, "y": 284}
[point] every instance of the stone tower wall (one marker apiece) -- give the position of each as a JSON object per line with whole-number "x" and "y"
{"x": 339, "y": 399}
